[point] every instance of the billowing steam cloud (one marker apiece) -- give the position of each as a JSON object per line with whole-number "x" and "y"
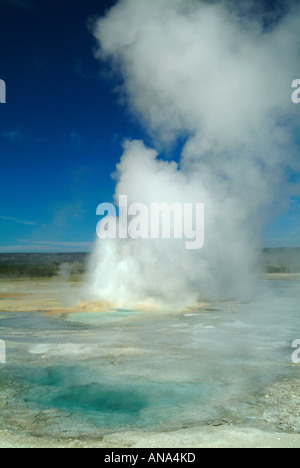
{"x": 219, "y": 79}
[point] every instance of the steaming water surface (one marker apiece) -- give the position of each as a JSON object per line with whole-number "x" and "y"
{"x": 84, "y": 372}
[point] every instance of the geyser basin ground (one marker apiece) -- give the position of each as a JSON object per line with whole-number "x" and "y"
{"x": 217, "y": 375}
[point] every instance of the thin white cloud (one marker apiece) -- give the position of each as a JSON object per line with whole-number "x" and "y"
{"x": 12, "y": 135}
{"x": 45, "y": 246}
{"x": 65, "y": 244}
{"x": 24, "y": 4}
{"x": 18, "y": 221}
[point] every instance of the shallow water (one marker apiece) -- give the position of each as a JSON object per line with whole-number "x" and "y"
{"x": 128, "y": 369}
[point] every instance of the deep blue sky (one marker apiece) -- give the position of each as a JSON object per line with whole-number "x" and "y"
{"x": 61, "y": 129}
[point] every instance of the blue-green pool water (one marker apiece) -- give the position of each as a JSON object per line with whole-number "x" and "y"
{"x": 132, "y": 370}
{"x": 110, "y": 404}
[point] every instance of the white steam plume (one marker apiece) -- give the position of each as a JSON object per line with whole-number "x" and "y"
{"x": 215, "y": 76}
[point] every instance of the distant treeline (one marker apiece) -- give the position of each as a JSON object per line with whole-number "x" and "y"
{"x": 38, "y": 265}
{"x": 282, "y": 260}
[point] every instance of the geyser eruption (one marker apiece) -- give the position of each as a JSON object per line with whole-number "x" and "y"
{"x": 219, "y": 79}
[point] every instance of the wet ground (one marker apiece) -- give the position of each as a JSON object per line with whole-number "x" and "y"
{"x": 83, "y": 374}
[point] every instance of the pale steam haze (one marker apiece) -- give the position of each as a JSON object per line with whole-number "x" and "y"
{"x": 217, "y": 78}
